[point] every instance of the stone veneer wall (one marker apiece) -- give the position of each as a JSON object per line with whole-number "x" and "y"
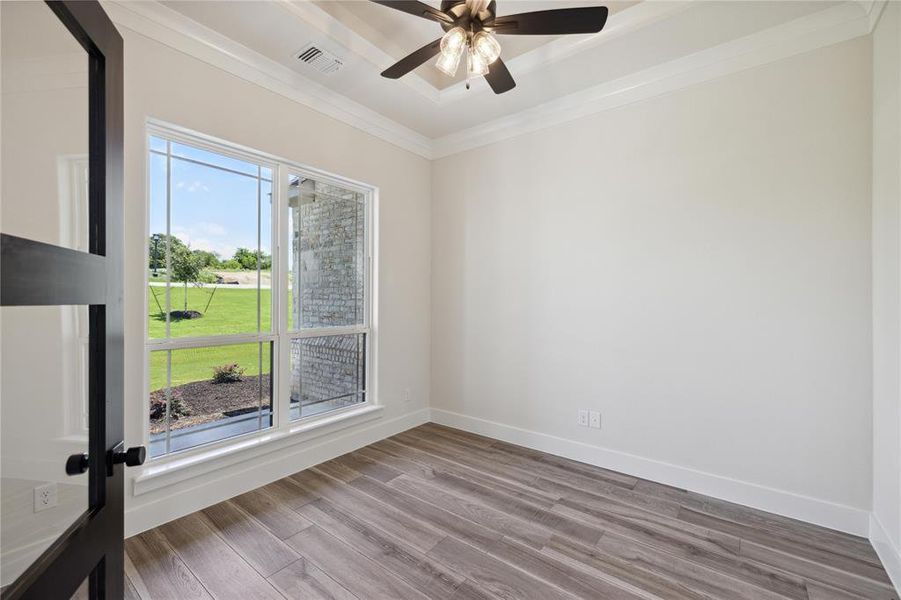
{"x": 330, "y": 272}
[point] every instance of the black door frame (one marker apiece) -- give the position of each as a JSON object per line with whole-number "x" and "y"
{"x": 38, "y": 274}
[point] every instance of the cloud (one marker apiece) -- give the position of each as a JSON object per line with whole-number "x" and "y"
{"x": 211, "y": 229}
{"x": 192, "y": 186}
{"x": 211, "y": 237}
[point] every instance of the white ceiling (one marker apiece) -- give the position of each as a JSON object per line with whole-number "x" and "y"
{"x": 398, "y": 33}
{"x": 639, "y": 36}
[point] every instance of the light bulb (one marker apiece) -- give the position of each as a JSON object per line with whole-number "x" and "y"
{"x": 449, "y": 61}
{"x": 486, "y": 46}
{"x": 453, "y": 41}
{"x": 477, "y": 65}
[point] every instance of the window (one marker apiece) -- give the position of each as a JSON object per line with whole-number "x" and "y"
{"x": 228, "y": 354}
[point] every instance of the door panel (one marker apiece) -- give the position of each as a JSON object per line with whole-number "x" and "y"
{"x": 61, "y": 289}
{"x": 44, "y": 127}
{"x": 43, "y": 420}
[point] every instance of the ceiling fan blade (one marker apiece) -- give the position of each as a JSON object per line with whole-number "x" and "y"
{"x": 416, "y": 8}
{"x": 411, "y": 61}
{"x": 552, "y": 22}
{"x": 499, "y": 77}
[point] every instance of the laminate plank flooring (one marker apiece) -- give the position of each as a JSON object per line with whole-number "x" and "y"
{"x": 445, "y": 514}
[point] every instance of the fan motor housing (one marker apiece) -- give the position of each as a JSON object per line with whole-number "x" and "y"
{"x": 462, "y": 17}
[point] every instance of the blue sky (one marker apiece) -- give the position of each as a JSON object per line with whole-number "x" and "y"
{"x": 212, "y": 209}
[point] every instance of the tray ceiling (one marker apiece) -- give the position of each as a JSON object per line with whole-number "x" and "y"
{"x": 639, "y": 38}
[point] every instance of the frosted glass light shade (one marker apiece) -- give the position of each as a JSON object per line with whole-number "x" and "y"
{"x": 448, "y": 62}
{"x": 453, "y": 41}
{"x": 477, "y": 65}
{"x": 486, "y": 46}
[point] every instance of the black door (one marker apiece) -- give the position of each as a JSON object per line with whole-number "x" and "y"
{"x": 85, "y": 556}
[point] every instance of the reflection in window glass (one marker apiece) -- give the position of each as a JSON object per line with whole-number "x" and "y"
{"x": 44, "y": 141}
{"x": 327, "y": 258}
{"x": 328, "y": 373}
{"x": 44, "y": 374}
{"x": 207, "y": 394}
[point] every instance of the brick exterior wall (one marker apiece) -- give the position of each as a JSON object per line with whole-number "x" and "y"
{"x": 329, "y": 249}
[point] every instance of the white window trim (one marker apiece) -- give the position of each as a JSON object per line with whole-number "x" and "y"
{"x": 205, "y": 457}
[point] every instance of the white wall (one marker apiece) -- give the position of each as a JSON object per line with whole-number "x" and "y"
{"x": 887, "y": 288}
{"x": 696, "y": 266}
{"x": 163, "y": 83}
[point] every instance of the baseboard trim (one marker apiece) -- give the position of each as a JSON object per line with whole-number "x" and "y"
{"x": 889, "y": 554}
{"x": 208, "y": 489}
{"x": 812, "y": 510}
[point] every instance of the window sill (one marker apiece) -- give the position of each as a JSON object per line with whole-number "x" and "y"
{"x": 170, "y": 471}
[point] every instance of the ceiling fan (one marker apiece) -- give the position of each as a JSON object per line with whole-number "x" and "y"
{"x": 470, "y": 27}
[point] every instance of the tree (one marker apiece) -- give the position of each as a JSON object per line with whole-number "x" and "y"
{"x": 248, "y": 259}
{"x": 207, "y": 259}
{"x": 186, "y": 267}
{"x": 158, "y": 250}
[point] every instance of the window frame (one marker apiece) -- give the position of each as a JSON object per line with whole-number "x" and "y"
{"x": 278, "y": 334}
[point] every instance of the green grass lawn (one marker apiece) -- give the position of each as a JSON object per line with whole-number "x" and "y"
{"x": 230, "y": 311}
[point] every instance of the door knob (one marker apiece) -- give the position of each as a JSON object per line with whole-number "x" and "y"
{"x": 76, "y": 464}
{"x": 133, "y": 457}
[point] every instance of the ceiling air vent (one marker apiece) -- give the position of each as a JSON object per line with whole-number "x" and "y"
{"x": 319, "y": 59}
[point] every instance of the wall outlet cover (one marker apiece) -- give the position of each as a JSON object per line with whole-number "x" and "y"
{"x": 45, "y": 496}
{"x": 594, "y": 419}
{"x": 583, "y": 418}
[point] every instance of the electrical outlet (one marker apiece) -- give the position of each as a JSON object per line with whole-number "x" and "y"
{"x": 583, "y": 418}
{"x": 45, "y": 496}
{"x": 594, "y": 419}
{"x": 406, "y": 395}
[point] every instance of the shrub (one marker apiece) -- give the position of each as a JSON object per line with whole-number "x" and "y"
{"x": 207, "y": 277}
{"x": 228, "y": 373}
{"x": 177, "y": 407}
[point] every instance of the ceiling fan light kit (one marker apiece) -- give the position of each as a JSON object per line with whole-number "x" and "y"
{"x": 471, "y": 25}
{"x": 449, "y": 61}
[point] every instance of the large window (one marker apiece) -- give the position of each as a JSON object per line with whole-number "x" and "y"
{"x": 228, "y": 354}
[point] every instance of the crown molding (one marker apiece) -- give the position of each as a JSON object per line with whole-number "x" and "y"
{"x": 820, "y": 29}
{"x": 173, "y": 29}
{"x": 874, "y": 10}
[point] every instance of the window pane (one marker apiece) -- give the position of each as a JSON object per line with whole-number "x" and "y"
{"x": 327, "y": 255}
{"x": 157, "y": 290}
{"x": 202, "y": 395}
{"x": 327, "y": 373}
{"x": 218, "y": 252}
{"x": 265, "y": 255}
{"x": 157, "y": 144}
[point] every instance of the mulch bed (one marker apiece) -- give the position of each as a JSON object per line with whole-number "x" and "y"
{"x": 206, "y": 401}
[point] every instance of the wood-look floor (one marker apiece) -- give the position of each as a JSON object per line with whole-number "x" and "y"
{"x": 440, "y": 513}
